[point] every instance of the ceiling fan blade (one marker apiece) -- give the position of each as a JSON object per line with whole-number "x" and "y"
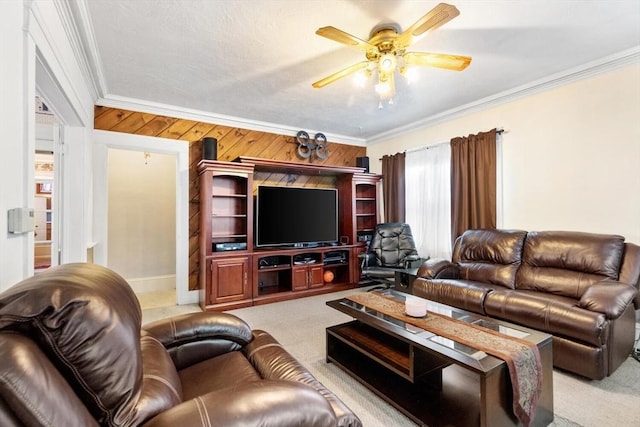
{"x": 436, "y": 17}
{"x": 340, "y": 74}
{"x": 340, "y": 36}
{"x": 439, "y": 60}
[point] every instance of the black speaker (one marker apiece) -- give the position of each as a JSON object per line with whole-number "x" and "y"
{"x": 209, "y": 148}
{"x": 363, "y": 162}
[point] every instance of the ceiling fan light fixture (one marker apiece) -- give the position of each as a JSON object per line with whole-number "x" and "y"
{"x": 385, "y": 52}
{"x": 386, "y": 85}
{"x": 360, "y": 78}
{"x": 409, "y": 73}
{"x": 387, "y": 63}
{"x": 383, "y": 88}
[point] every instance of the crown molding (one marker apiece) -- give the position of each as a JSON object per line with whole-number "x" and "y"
{"x": 77, "y": 23}
{"x": 142, "y": 106}
{"x": 79, "y": 29}
{"x": 590, "y": 69}
{"x": 82, "y": 36}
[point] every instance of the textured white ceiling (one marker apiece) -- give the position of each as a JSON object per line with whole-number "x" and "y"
{"x": 257, "y": 59}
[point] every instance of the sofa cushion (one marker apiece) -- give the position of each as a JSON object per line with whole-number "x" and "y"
{"x": 490, "y": 256}
{"x": 556, "y": 315}
{"x": 87, "y": 321}
{"x": 217, "y": 373}
{"x": 268, "y": 403}
{"x": 568, "y": 263}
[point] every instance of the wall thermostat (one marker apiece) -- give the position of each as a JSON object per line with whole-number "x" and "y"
{"x": 21, "y": 220}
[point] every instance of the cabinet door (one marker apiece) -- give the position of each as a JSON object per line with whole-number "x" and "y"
{"x": 300, "y": 278}
{"x": 229, "y": 280}
{"x": 316, "y": 278}
{"x": 307, "y": 277}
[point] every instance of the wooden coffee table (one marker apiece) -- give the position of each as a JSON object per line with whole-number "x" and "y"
{"x": 433, "y": 380}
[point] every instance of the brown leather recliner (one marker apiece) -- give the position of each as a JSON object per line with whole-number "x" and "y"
{"x": 579, "y": 287}
{"x": 72, "y": 353}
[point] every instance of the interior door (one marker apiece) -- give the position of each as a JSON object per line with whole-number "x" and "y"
{"x": 47, "y": 193}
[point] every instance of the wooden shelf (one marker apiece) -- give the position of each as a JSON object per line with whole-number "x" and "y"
{"x": 393, "y": 354}
{"x": 236, "y": 278}
{"x": 268, "y": 165}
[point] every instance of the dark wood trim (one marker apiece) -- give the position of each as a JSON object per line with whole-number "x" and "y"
{"x": 268, "y": 165}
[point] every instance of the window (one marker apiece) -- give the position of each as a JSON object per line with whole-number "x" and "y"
{"x": 428, "y": 199}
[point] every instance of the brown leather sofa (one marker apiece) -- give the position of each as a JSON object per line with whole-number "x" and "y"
{"x": 580, "y": 287}
{"x": 72, "y": 353}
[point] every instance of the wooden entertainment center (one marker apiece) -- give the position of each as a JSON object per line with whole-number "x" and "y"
{"x": 235, "y": 273}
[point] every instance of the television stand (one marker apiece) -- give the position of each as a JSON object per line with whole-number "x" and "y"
{"x": 298, "y": 272}
{"x": 251, "y": 275}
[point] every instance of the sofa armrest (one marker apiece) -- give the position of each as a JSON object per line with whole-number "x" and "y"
{"x": 273, "y": 362}
{"x": 410, "y": 259}
{"x": 608, "y": 298}
{"x": 438, "y": 269}
{"x": 258, "y": 403}
{"x": 367, "y": 259}
{"x": 194, "y": 337}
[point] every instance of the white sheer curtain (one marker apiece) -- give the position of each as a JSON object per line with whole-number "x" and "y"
{"x": 428, "y": 199}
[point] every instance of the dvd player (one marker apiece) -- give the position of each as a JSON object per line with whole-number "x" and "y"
{"x": 335, "y": 259}
{"x": 219, "y": 247}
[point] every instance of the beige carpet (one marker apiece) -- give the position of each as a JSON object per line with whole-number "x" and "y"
{"x": 300, "y": 325}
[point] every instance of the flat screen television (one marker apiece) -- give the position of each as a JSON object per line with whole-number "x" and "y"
{"x": 296, "y": 216}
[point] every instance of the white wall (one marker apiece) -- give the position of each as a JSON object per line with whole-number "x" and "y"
{"x": 13, "y": 191}
{"x": 34, "y": 51}
{"x": 142, "y": 215}
{"x": 571, "y": 155}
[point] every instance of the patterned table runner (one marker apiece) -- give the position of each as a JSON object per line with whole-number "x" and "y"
{"x": 522, "y": 357}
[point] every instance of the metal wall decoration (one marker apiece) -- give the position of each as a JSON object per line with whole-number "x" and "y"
{"x": 306, "y": 146}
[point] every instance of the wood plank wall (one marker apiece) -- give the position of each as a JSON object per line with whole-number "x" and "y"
{"x": 232, "y": 143}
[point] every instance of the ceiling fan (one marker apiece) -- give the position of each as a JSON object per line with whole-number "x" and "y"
{"x": 386, "y": 50}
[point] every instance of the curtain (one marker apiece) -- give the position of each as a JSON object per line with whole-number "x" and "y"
{"x": 473, "y": 182}
{"x": 428, "y": 195}
{"x": 393, "y": 187}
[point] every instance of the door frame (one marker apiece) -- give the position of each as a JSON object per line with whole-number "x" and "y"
{"x": 103, "y": 141}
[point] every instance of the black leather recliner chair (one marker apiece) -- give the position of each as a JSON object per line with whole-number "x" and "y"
{"x": 391, "y": 249}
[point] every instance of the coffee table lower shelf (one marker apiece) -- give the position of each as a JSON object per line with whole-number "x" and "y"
{"x": 426, "y": 388}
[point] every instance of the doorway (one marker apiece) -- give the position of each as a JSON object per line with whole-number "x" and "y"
{"x": 44, "y": 256}
{"x": 179, "y": 151}
{"x": 142, "y": 223}
{"x": 46, "y": 204}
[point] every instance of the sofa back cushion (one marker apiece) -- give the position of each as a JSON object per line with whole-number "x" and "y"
{"x": 32, "y": 390}
{"x": 86, "y": 319}
{"x": 567, "y": 262}
{"x": 489, "y": 256}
